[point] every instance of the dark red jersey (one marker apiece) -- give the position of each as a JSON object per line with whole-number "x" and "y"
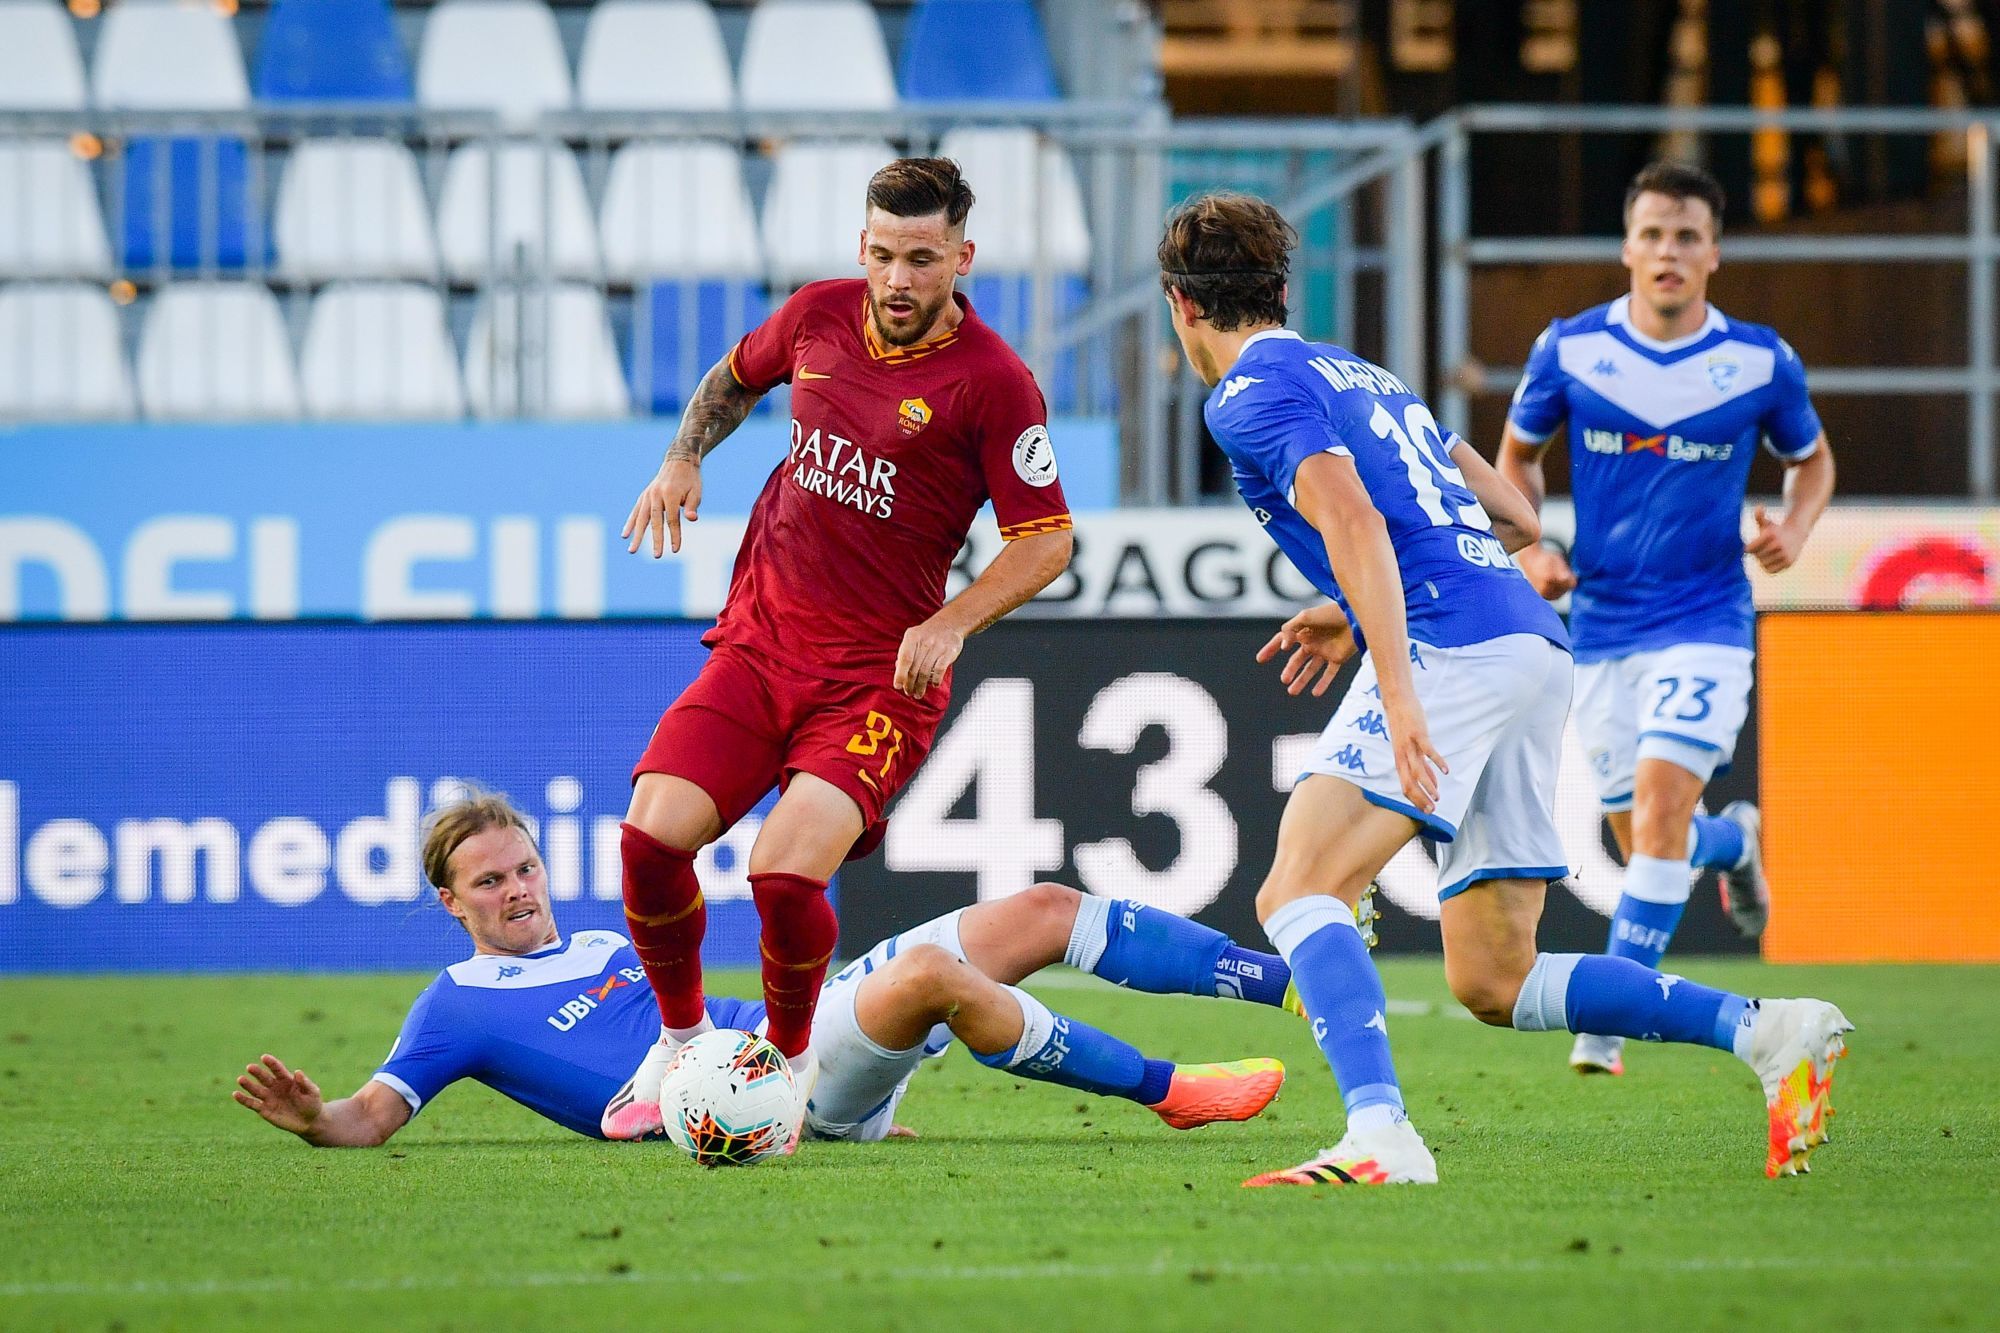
{"x": 893, "y": 451}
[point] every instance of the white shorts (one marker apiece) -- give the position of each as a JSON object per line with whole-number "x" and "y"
{"x": 1495, "y": 712}
{"x": 1683, "y": 704}
{"x": 860, "y": 1082}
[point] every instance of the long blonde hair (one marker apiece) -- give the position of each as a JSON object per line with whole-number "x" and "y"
{"x": 475, "y": 811}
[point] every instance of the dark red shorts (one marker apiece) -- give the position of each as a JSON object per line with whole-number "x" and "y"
{"x": 747, "y": 723}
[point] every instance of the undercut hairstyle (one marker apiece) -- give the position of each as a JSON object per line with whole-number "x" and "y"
{"x": 475, "y": 811}
{"x": 1230, "y": 254}
{"x": 1676, "y": 180}
{"x": 918, "y": 187}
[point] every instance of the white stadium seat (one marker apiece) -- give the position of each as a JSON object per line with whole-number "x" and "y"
{"x": 678, "y": 210}
{"x": 353, "y": 208}
{"x": 493, "y": 55}
{"x": 61, "y": 358}
{"x": 815, "y": 208}
{"x": 157, "y": 56}
{"x": 468, "y": 214}
{"x": 816, "y": 55}
{"x": 216, "y": 351}
{"x": 1025, "y": 219}
{"x": 50, "y": 224}
{"x": 40, "y": 69}
{"x": 654, "y": 55}
{"x": 379, "y": 350}
{"x": 547, "y": 359}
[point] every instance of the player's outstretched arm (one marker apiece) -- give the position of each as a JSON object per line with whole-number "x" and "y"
{"x": 1520, "y": 466}
{"x": 1023, "y": 568}
{"x": 291, "y": 1101}
{"x": 1515, "y": 521}
{"x": 1808, "y": 489}
{"x": 718, "y": 406}
{"x": 1330, "y": 495}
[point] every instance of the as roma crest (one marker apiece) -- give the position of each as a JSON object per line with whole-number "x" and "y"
{"x": 913, "y": 415}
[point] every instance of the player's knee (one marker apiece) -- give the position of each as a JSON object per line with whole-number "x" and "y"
{"x": 1487, "y": 995}
{"x": 1053, "y": 906}
{"x": 929, "y": 975}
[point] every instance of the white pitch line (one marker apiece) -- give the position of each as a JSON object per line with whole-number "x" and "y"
{"x": 500, "y": 1281}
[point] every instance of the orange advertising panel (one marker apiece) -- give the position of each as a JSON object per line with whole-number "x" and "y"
{"x": 1879, "y": 760}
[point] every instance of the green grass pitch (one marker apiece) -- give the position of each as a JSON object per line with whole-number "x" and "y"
{"x": 134, "y": 1194}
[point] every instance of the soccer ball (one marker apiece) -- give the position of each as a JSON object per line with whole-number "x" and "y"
{"x": 728, "y": 1099}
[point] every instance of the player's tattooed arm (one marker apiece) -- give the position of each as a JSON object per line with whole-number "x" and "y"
{"x": 718, "y": 406}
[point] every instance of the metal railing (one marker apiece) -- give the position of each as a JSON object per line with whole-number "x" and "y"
{"x": 1461, "y": 252}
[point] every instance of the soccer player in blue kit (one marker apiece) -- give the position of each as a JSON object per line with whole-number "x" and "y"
{"x": 1666, "y": 401}
{"x": 557, "y": 1025}
{"x": 1451, "y": 728}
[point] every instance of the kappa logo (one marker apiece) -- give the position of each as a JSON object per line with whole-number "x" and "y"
{"x": 1371, "y": 723}
{"x": 1235, "y": 386}
{"x": 913, "y": 415}
{"x": 1035, "y": 457}
{"x": 1350, "y": 759}
{"x": 1604, "y": 367}
{"x": 510, "y": 970}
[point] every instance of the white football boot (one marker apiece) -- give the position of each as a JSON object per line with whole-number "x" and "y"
{"x": 805, "y": 1076}
{"x": 1793, "y": 1048}
{"x": 1597, "y": 1055}
{"x": 634, "y": 1110}
{"x": 1392, "y": 1156}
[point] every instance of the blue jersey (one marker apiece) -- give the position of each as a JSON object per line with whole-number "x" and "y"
{"x": 558, "y": 1031}
{"x": 1661, "y": 437}
{"x": 1285, "y": 400}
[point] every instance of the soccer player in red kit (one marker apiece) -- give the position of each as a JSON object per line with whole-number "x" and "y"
{"x": 831, "y": 662}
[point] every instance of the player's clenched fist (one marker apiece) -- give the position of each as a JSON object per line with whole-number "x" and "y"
{"x": 927, "y": 653}
{"x": 1776, "y": 545}
{"x": 675, "y": 490}
{"x": 1548, "y": 570}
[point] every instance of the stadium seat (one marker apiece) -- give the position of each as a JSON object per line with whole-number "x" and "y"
{"x": 40, "y": 69}
{"x": 1007, "y": 303}
{"x": 50, "y": 226}
{"x": 469, "y": 215}
{"x": 976, "y": 51}
{"x": 557, "y": 359}
{"x": 379, "y": 350}
{"x": 814, "y": 209}
{"x": 332, "y": 51}
{"x": 1029, "y": 211}
{"x": 654, "y": 55}
{"x": 680, "y": 329}
{"x": 216, "y": 351}
{"x": 61, "y": 358}
{"x": 678, "y": 208}
{"x": 197, "y": 191}
{"x": 494, "y": 55}
{"x": 353, "y": 208}
{"x": 158, "y": 56}
{"x": 815, "y": 55}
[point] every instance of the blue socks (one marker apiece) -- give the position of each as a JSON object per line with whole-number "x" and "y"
{"x": 1616, "y": 997}
{"x": 1163, "y": 954}
{"x": 1056, "y": 1049}
{"x": 1656, "y": 893}
{"x": 1343, "y": 996}
{"x": 1715, "y": 843}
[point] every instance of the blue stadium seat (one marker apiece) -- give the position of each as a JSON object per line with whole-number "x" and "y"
{"x": 199, "y": 187}
{"x": 685, "y": 342}
{"x": 332, "y": 51}
{"x": 1006, "y": 304}
{"x": 976, "y": 51}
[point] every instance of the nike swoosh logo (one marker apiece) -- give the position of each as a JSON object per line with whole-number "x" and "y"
{"x": 805, "y": 374}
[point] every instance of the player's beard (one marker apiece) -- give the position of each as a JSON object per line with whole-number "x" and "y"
{"x": 912, "y": 330}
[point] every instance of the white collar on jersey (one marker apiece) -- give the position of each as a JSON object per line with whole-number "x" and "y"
{"x": 583, "y": 956}
{"x": 1262, "y": 334}
{"x": 1621, "y": 315}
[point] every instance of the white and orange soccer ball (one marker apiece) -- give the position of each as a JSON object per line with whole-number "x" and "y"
{"x": 728, "y": 1099}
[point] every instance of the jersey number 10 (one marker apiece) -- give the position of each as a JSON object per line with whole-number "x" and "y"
{"x": 1420, "y": 445}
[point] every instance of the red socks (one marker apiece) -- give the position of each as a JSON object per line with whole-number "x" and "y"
{"x": 799, "y": 932}
{"x": 667, "y": 917}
